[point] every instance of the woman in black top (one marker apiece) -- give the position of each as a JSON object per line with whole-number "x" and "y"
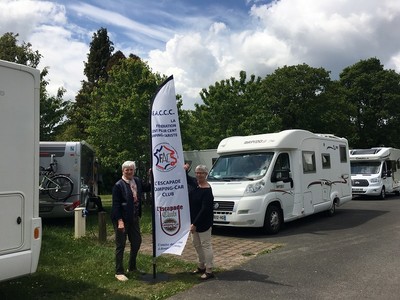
{"x": 201, "y": 217}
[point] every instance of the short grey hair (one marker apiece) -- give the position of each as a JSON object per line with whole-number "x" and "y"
{"x": 128, "y": 164}
{"x": 201, "y": 168}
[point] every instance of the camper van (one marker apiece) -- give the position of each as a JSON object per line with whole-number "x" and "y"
{"x": 76, "y": 161}
{"x": 205, "y": 157}
{"x": 20, "y": 224}
{"x": 375, "y": 171}
{"x": 268, "y": 179}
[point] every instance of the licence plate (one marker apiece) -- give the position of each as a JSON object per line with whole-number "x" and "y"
{"x": 357, "y": 190}
{"x": 219, "y": 217}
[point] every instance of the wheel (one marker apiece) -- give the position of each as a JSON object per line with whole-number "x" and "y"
{"x": 382, "y": 195}
{"x": 332, "y": 210}
{"x": 273, "y": 219}
{"x": 60, "y": 187}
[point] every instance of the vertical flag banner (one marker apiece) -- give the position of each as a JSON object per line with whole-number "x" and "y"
{"x": 171, "y": 204}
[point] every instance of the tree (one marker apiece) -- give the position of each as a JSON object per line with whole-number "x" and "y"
{"x": 52, "y": 108}
{"x": 96, "y": 68}
{"x": 119, "y": 125}
{"x": 373, "y": 95}
{"x": 304, "y": 97}
{"x": 23, "y": 54}
{"x": 228, "y": 108}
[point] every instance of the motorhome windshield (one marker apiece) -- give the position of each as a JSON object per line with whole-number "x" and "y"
{"x": 365, "y": 167}
{"x": 248, "y": 166}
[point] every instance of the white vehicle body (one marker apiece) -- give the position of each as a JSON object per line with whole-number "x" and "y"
{"x": 375, "y": 171}
{"x": 76, "y": 160}
{"x": 205, "y": 157}
{"x": 20, "y": 224}
{"x": 267, "y": 179}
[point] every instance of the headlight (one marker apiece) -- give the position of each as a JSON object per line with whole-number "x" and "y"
{"x": 254, "y": 187}
{"x": 375, "y": 180}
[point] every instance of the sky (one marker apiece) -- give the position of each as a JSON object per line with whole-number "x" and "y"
{"x": 201, "y": 42}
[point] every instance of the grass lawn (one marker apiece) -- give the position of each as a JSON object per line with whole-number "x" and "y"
{"x": 83, "y": 268}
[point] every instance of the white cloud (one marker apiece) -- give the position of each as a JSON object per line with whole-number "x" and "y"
{"x": 202, "y": 46}
{"x": 324, "y": 33}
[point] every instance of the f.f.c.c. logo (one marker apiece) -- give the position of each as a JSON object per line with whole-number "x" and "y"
{"x": 165, "y": 156}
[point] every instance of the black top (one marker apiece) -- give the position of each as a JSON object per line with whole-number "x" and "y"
{"x": 122, "y": 199}
{"x": 201, "y": 205}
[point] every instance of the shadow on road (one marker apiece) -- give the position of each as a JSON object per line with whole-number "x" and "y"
{"x": 314, "y": 224}
{"x": 244, "y": 275}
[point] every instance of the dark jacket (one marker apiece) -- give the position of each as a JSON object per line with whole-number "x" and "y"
{"x": 201, "y": 201}
{"x": 122, "y": 199}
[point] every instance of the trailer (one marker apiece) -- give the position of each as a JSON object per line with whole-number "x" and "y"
{"x": 20, "y": 224}
{"x": 205, "y": 157}
{"x": 74, "y": 160}
{"x": 268, "y": 179}
{"x": 375, "y": 171}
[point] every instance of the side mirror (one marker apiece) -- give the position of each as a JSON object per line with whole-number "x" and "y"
{"x": 282, "y": 175}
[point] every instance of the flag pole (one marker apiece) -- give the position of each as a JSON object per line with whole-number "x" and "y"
{"x": 153, "y": 213}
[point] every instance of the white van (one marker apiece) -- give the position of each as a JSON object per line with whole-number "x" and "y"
{"x": 205, "y": 157}
{"x": 375, "y": 171}
{"x": 267, "y": 179}
{"x": 77, "y": 161}
{"x": 20, "y": 224}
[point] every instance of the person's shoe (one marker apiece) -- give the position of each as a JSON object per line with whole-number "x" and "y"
{"x": 206, "y": 276}
{"x": 198, "y": 271}
{"x": 121, "y": 277}
{"x": 136, "y": 271}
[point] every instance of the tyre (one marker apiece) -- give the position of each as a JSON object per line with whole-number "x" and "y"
{"x": 331, "y": 212}
{"x": 273, "y": 219}
{"x": 60, "y": 187}
{"x": 382, "y": 195}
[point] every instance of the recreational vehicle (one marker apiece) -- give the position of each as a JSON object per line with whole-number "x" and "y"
{"x": 77, "y": 162}
{"x": 205, "y": 157}
{"x": 268, "y": 179}
{"x": 20, "y": 224}
{"x": 375, "y": 171}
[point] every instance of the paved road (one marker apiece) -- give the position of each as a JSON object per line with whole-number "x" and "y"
{"x": 353, "y": 255}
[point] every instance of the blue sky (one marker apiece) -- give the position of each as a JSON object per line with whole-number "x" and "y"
{"x": 204, "y": 41}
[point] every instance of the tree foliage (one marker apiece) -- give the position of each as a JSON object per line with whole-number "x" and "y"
{"x": 373, "y": 94}
{"x": 95, "y": 69}
{"x": 119, "y": 125}
{"x": 226, "y": 110}
{"x": 304, "y": 97}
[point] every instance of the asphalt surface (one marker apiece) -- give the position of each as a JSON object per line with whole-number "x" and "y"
{"x": 352, "y": 255}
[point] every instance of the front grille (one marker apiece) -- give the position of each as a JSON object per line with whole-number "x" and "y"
{"x": 359, "y": 182}
{"x": 223, "y": 206}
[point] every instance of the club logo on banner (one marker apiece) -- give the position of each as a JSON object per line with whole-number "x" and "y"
{"x": 171, "y": 201}
{"x": 165, "y": 156}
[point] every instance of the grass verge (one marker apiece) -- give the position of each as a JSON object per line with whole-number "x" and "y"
{"x": 83, "y": 268}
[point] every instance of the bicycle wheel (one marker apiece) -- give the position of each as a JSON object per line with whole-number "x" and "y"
{"x": 60, "y": 187}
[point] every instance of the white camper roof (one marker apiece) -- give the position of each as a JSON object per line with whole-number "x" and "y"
{"x": 372, "y": 153}
{"x": 287, "y": 139}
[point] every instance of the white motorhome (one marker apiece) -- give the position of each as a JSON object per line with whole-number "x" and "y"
{"x": 76, "y": 160}
{"x": 375, "y": 171}
{"x": 267, "y": 179}
{"x": 20, "y": 224}
{"x": 205, "y": 157}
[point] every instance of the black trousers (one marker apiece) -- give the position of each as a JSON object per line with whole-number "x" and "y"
{"x": 132, "y": 231}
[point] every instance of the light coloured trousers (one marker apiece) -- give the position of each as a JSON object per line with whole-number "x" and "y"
{"x": 202, "y": 244}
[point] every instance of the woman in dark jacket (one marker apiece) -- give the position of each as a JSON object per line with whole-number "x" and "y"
{"x": 125, "y": 215}
{"x": 201, "y": 216}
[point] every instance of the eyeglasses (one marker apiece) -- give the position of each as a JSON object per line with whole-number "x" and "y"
{"x": 200, "y": 172}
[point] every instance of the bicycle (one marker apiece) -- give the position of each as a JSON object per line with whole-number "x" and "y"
{"x": 57, "y": 186}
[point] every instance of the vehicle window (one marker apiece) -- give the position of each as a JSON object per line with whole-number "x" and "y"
{"x": 326, "y": 160}
{"x": 343, "y": 153}
{"x": 309, "y": 162}
{"x": 365, "y": 167}
{"x": 248, "y": 166}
